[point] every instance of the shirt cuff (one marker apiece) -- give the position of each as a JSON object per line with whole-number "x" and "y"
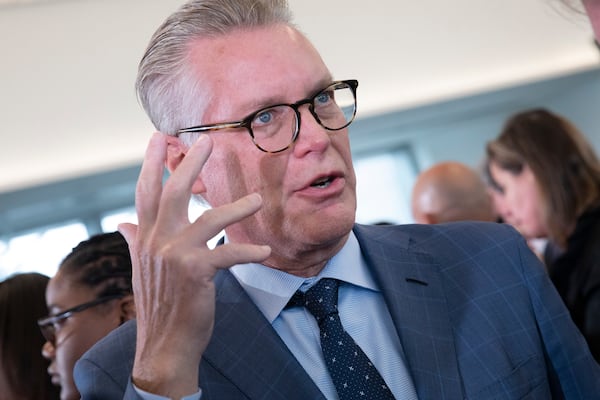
{"x": 149, "y": 396}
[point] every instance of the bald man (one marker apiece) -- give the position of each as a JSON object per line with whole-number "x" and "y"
{"x": 451, "y": 191}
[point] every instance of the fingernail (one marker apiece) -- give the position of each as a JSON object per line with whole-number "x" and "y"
{"x": 256, "y": 198}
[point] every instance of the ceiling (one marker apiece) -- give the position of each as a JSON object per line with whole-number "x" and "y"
{"x": 68, "y": 107}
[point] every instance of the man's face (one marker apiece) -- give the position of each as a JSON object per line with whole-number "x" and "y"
{"x": 593, "y": 10}
{"x": 308, "y": 191}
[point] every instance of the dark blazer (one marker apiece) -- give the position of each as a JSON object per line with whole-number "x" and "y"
{"x": 477, "y": 316}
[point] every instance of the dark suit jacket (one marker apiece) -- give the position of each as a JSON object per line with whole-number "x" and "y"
{"x": 477, "y": 316}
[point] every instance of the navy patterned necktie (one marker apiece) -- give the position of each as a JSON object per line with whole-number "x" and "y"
{"x": 353, "y": 374}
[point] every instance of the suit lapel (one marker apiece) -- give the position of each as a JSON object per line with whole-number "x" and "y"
{"x": 247, "y": 350}
{"x": 411, "y": 284}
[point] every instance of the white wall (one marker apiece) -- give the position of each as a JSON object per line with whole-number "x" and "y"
{"x": 459, "y": 129}
{"x": 67, "y": 105}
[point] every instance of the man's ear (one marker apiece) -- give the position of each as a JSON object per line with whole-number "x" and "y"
{"x": 176, "y": 152}
{"x": 127, "y": 308}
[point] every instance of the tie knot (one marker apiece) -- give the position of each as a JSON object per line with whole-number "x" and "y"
{"x": 320, "y": 300}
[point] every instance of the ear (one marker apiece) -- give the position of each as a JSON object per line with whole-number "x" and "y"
{"x": 430, "y": 218}
{"x": 127, "y": 308}
{"x": 176, "y": 152}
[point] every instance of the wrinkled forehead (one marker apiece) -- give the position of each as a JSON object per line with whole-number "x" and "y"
{"x": 250, "y": 68}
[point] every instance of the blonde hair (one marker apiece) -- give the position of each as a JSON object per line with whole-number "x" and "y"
{"x": 172, "y": 96}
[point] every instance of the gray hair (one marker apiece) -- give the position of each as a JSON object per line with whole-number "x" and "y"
{"x": 169, "y": 92}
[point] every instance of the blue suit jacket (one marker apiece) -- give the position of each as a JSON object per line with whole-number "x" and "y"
{"x": 474, "y": 309}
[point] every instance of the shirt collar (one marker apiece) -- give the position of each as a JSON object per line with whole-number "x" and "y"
{"x": 271, "y": 289}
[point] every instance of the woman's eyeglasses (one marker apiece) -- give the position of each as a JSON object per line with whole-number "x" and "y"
{"x": 48, "y": 324}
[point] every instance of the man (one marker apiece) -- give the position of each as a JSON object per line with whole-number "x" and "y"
{"x": 464, "y": 311}
{"x": 451, "y": 191}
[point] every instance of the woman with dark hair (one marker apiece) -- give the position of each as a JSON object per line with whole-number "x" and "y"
{"x": 547, "y": 181}
{"x": 23, "y": 373}
{"x": 89, "y": 296}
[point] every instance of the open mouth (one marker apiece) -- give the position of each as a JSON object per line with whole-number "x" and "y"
{"x": 323, "y": 182}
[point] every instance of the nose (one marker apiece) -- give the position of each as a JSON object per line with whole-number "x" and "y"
{"x": 499, "y": 203}
{"x": 312, "y": 137}
{"x": 48, "y": 350}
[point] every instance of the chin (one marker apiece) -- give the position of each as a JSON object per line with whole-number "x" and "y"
{"x": 532, "y": 234}
{"x": 328, "y": 227}
{"x": 69, "y": 395}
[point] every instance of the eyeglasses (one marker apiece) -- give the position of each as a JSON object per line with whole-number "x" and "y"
{"x": 48, "y": 324}
{"x": 273, "y": 129}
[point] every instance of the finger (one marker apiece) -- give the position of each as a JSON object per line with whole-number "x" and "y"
{"x": 149, "y": 185}
{"x": 230, "y": 254}
{"x": 128, "y": 231}
{"x": 178, "y": 188}
{"x": 213, "y": 221}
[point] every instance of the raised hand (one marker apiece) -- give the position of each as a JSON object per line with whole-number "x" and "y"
{"x": 173, "y": 269}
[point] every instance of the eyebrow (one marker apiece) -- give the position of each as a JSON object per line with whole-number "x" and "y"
{"x": 54, "y": 309}
{"x": 255, "y": 105}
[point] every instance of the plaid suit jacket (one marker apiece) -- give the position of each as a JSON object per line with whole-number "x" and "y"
{"x": 474, "y": 309}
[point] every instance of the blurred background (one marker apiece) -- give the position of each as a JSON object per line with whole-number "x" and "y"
{"x": 437, "y": 80}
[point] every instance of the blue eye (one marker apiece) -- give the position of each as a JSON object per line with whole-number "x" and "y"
{"x": 264, "y": 117}
{"x": 323, "y": 98}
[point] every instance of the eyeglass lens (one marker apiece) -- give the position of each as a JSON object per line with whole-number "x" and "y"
{"x": 275, "y": 128}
